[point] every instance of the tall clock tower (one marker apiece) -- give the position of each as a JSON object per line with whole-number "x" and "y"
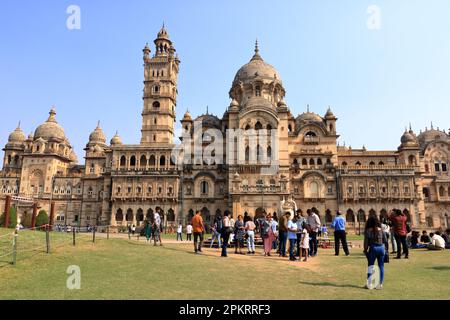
{"x": 160, "y": 91}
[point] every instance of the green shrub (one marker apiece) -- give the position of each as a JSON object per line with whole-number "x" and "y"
{"x": 42, "y": 218}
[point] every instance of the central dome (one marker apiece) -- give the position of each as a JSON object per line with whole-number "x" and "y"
{"x": 256, "y": 67}
{"x": 50, "y": 129}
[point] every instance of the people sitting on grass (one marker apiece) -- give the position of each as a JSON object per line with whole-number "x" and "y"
{"x": 415, "y": 241}
{"x": 425, "y": 238}
{"x": 375, "y": 246}
{"x": 446, "y": 235}
{"x": 437, "y": 242}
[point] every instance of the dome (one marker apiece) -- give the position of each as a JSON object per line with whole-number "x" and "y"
{"x": 116, "y": 140}
{"x": 256, "y": 67}
{"x": 259, "y": 102}
{"x": 329, "y": 114}
{"x": 97, "y": 136}
{"x": 17, "y": 136}
{"x": 431, "y": 135}
{"x": 187, "y": 116}
{"x": 50, "y": 129}
{"x": 309, "y": 116}
{"x": 407, "y": 138}
{"x": 162, "y": 34}
{"x": 209, "y": 120}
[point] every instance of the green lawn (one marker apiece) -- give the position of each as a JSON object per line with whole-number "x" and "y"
{"x": 123, "y": 269}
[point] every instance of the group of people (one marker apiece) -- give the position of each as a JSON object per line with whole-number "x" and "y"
{"x": 434, "y": 241}
{"x": 152, "y": 229}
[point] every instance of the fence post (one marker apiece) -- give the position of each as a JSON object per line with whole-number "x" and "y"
{"x": 73, "y": 236}
{"x": 93, "y": 235}
{"x": 14, "y": 257}
{"x": 107, "y": 232}
{"x": 47, "y": 238}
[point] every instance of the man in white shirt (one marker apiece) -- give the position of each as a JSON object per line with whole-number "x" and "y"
{"x": 437, "y": 242}
{"x": 189, "y": 232}
{"x": 180, "y": 232}
{"x": 314, "y": 222}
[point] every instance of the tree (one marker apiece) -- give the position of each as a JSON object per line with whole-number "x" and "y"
{"x": 12, "y": 218}
{"x": 42, "y": 218}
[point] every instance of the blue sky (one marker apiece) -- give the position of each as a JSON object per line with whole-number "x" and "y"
{"x": 376, "y": 81}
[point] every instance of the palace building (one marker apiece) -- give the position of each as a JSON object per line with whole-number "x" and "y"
{"x": 121, "y": 184}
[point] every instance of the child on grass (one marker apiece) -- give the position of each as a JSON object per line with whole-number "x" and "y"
{"x": 304, "y": 242}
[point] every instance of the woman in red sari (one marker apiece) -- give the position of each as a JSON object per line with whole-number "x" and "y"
{"x": 267, "y": 234}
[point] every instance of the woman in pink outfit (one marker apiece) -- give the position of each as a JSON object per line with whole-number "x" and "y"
{"x": 268, "y": 235}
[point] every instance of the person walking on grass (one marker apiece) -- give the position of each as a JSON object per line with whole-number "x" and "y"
{"x": 189, "y": 232}
{"x": 340, "y": 235}
{"x": 375, "y": 244}
{"x": 180, "y": 232}
{"x": 304, "y": 245}
{"x": 225, "y": 233}
{"x": 250, "y": 228}
{"x": 283, "y": 233}
{"x": 314, "y": 222}
{"x": 299, "y": 220}
{"x": 156, "y": 228}
{"x": 215, "y": 230}
{"x": 148, "y": 231}
{"x": 199, "y": 229}
{"x": 292, "y": 235}
{"x": 398, "y": 220}
{"x": 239, "y": 234}
{"x": 268, "y": 234}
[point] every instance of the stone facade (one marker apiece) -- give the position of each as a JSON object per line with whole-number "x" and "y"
{"x": 123, "y": 184}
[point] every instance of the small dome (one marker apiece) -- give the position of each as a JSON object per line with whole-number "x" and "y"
{"x": 407, "y": 138}
{"x": 97, "y": 136}
{"x": 116, "y": 140}
{"x": 162, "y": 34}
{"x": 210, "y": 121}
{"x": 30, "y": 137}
{"x": 187, "y": 116}
{"x": 50, "y": 129}
{"x": 431, "y": 135}
{"x": 234, "y": 103}
{"x": 329, "y": 114}
{"x": 17, "y": 136}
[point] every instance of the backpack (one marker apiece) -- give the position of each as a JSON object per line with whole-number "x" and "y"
{"x": 265, "y": 227}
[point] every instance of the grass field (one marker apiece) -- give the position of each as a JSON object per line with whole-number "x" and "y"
{"x": 123, "y": 269}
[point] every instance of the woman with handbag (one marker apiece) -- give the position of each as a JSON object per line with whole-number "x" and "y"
{"x": 239, "y": 231}
{"x": 375, "y": 242}
{"x": 267, "y": 234}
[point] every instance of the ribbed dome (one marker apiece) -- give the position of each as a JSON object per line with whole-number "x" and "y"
{"x": 17, "y": 136}
{"x": 256, "y": 67}
{"x": 187, "y": 116}
{"x": 407, "y": 137}
{"x": 97, "y": 136}
{"x": 162, "y": 34}
{"x": 50, "y": 129}
{"x": 309, "y": 116}
{"x": 329, "y": 114}
{"x": 431, "y": 135}
{"x": 116, "y": 140}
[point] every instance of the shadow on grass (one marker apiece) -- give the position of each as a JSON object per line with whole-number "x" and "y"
{"x": 440, "y": 268}
{"x": 329, "y": 284}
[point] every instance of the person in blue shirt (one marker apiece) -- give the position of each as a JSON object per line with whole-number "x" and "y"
{"x": 292, "y": 236}
{"x": 340, "y": 235}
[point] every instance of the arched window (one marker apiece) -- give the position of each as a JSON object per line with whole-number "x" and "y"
{"x": 295, "y": 162}
{"x": 350, "y": 216}
{"x": 427, "y": 168}
{"x": 441, "y": 191}
{"x": 289, "y": 128}
{"x": 143, "y": 161}
{"x": 204, "y": 187}
{"x": 149, "y": 214}
{"x": 10, "y": 159}
{"x": 259, "y": 184}
{"x": 426, "y": 192}
{"x": 258, "y": 91}
{"x": 247, "y": 154}
{"x": 344, "y": 164}
{"x": 361, "y": 216}
{"x": 119, "y": 215}
{"x": 140, "y": 215}
{"x": 304, "y": 162}
{"x": 123, "y": 161}
{"x": 311, "y": 162}
{"x": 162, "y": 161}
{"x": 381, "y": 163}
{"x": 133, "y": 161}
{"x": 129, "y": 215}
{"x": 328, "y": 216}
{"x": 269, "y": 127}
{"x": 152, "y": 161}
{"x": 156, "y": 104}
{"x": 372, "y": 213}
{"x": 319, "y": 162}
{"x": 314, "y": 189}
{"x": 412, "y": 160}
{"x": 371, "y": 163}
{"x": 171, "y": 215}
{"x": 156, "y": 89}
{"x": 247, "y": 127}
{"x": 258, "y": 126}
{"x": 310, "y": 134}
{"x": 357, "y": 163}
{"x": 272, "y": 184}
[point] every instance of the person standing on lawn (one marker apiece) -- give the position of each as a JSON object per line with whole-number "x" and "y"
{"x": 199, "y": 229}
{"x": 314, "y": 222}
{"x": 239, "y": 234}
{"x": 375, "y": 244}
{"x": 189, "y": 232}
{"x": 148, "y": 230}
{"x": 180, "y": 232}
{"x": 398, "y": 219}
{"x": 340, "y": 235}
{"x": 299, "y": 220}
{"x": 250, "y": 228}
{"x": 225, "y": 232}
{"x": 283, "y": 233}
{"x": 292, "y": 235}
